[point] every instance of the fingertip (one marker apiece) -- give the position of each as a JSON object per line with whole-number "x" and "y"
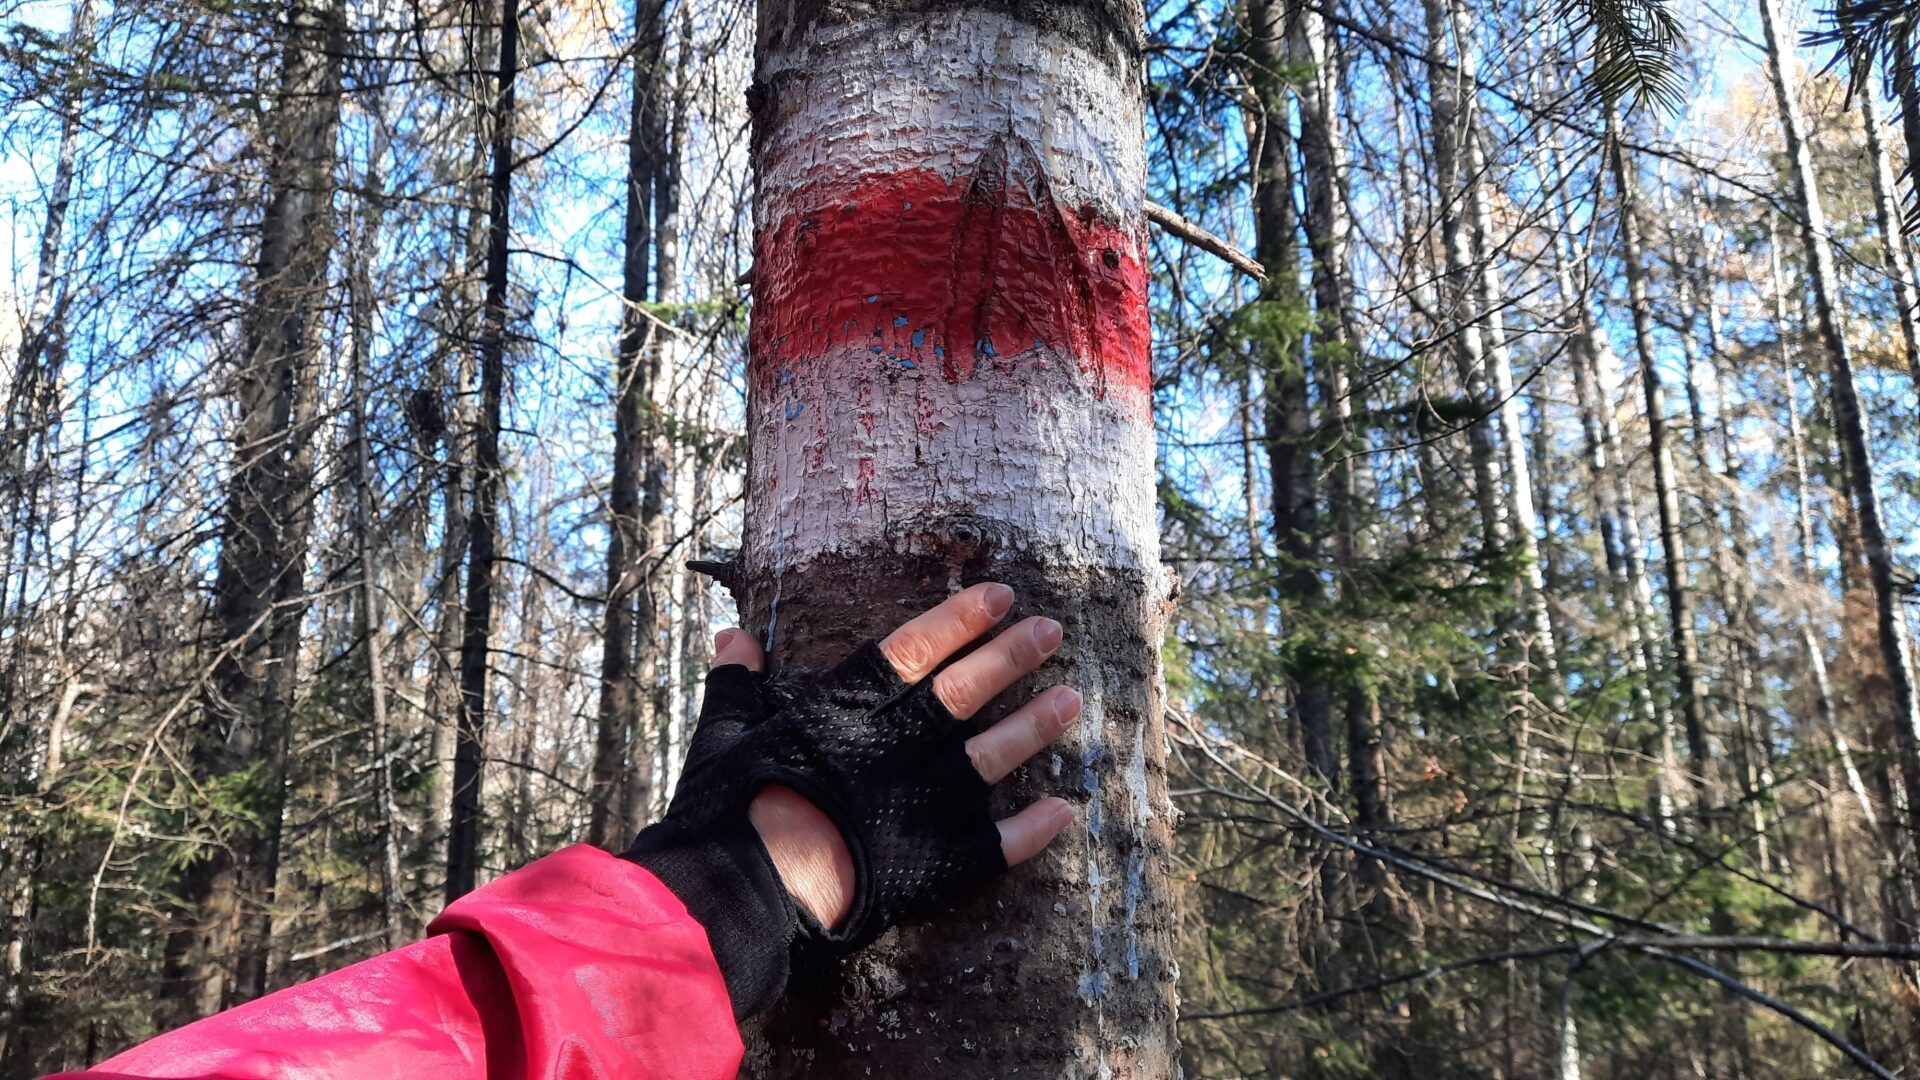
{"x": 1028, "y": 832}
{"x": 997, "y": 599}
{"x": 735, "y": 646}
{"x": 1067, "y": 704}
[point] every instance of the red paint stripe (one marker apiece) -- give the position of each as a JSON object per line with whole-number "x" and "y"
{"x": 918, "y": 271}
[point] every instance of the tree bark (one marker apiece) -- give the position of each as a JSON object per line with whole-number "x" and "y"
{"x": 1850, "y": 425}
{"x": 1280, "y": 354}
{"x": 372, "y": 630}
{"x": 1686, "y": 647}
{"x": 463, "y": 839}
{"x": 216, "y": 951}
{"x": 949, "y": 383}
{"x": 620, "y": 728}
{"x": 1895, "y": 257}
{"x": 461, "y": 302}
{"x": 1460, "y": 309}
{"x": 32, "y": 410}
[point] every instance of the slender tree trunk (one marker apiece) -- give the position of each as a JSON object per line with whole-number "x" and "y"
{"x": 1816, "y": 655}
{"x": 372, "y": 631}
{"x": 1612, "y": 511}
{"x": 949, "y": 383}
{"x": 216, "y": 952}
{"x": 1731, "y": 573}
{"x": 32, "y": 409}
{"x": 1895, "y": 257}
{"x": 1281, "y": 356}
{"x": 1850, "y": 426}
{"x": 619, "y": 729}
{"x": 1459, "y": 295}
{"x": 463, "y": 839}
{"x": 463, "y": 303}
{"x": 1686, "y": 648}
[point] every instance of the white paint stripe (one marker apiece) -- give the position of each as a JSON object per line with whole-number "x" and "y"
{"x": 1032, "y": 449}
{"x": 873, "y": 97}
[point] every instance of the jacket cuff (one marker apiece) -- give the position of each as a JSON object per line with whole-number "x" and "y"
{"x": 731, "y": 888}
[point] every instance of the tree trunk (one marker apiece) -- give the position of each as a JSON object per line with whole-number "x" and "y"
{"x": 212, "y": 959}
{"x": 1280, "y": 354}
{"x": 948, "y": 383}
{"x": 1816, "y": 656}
{"x": 1850, "y": 426}
{"x": 1895, "y": 257}
{"x": 32, "y": 410}
{"x": 372, "y": 629}
{"x": 443, "y": 684}
{"x": 1731, "y": 573}
{"x": 1686, "y": 648}
{"x": 1460, "y": 309}
{"x": 463, "y": 839}
{"x": 619, "y": 730}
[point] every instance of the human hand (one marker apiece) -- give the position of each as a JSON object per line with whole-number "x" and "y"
{"x": 803, "y": 842}
{"x": 813, "y": 816}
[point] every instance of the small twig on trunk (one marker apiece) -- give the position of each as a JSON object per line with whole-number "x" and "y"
{"x": 1205, "y": 241}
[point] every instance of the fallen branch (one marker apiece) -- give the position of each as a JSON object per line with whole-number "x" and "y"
{"x": 1204, "y": 240}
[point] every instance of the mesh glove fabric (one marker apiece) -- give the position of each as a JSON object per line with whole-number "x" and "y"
{"x": 885, "y": 761}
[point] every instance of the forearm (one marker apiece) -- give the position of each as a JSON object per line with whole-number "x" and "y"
{"x": 579, "y": 965}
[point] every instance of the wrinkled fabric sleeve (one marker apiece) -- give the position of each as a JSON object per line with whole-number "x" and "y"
{"x": 580, "y": 966}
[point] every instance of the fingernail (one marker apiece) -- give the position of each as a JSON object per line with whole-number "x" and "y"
{"x": 1046, "y": 634}
{"x": 998, "y": 600}
{"x": 1066, "y": 707}
{"x": 724, "y": 638}
{"x": 1062, "y": 814}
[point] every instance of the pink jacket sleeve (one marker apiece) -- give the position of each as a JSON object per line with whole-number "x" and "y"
{"x": 579, "y": 966}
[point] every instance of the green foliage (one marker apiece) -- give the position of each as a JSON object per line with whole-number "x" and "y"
{"x": 1635, "y": 44}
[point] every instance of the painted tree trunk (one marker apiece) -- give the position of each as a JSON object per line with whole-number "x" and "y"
{"x": 476, "y": 626}
{"x": 948, "y": 383}
{"x": 1686, "y": 648}
{"x": 1850, "y": 426}
{"x": 215, "y": 952}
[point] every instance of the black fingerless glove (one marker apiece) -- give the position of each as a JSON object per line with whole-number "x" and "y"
{"x": 885, "y": 761}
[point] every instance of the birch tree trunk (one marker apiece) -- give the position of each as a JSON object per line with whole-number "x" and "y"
{"x": 463, "y": 837}
{"x": 1895, "y": 257}
{"x": 1816, "y": 654}
{"x": 1850, "y": 426}
{"x": 949, "y": 382}
{"x": 216, "y": 953}
{"x": 1461, "y": 315}
{"x": 370, "y": 606}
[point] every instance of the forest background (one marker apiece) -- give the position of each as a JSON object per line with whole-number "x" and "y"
{"x": 1540, "y": 695}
